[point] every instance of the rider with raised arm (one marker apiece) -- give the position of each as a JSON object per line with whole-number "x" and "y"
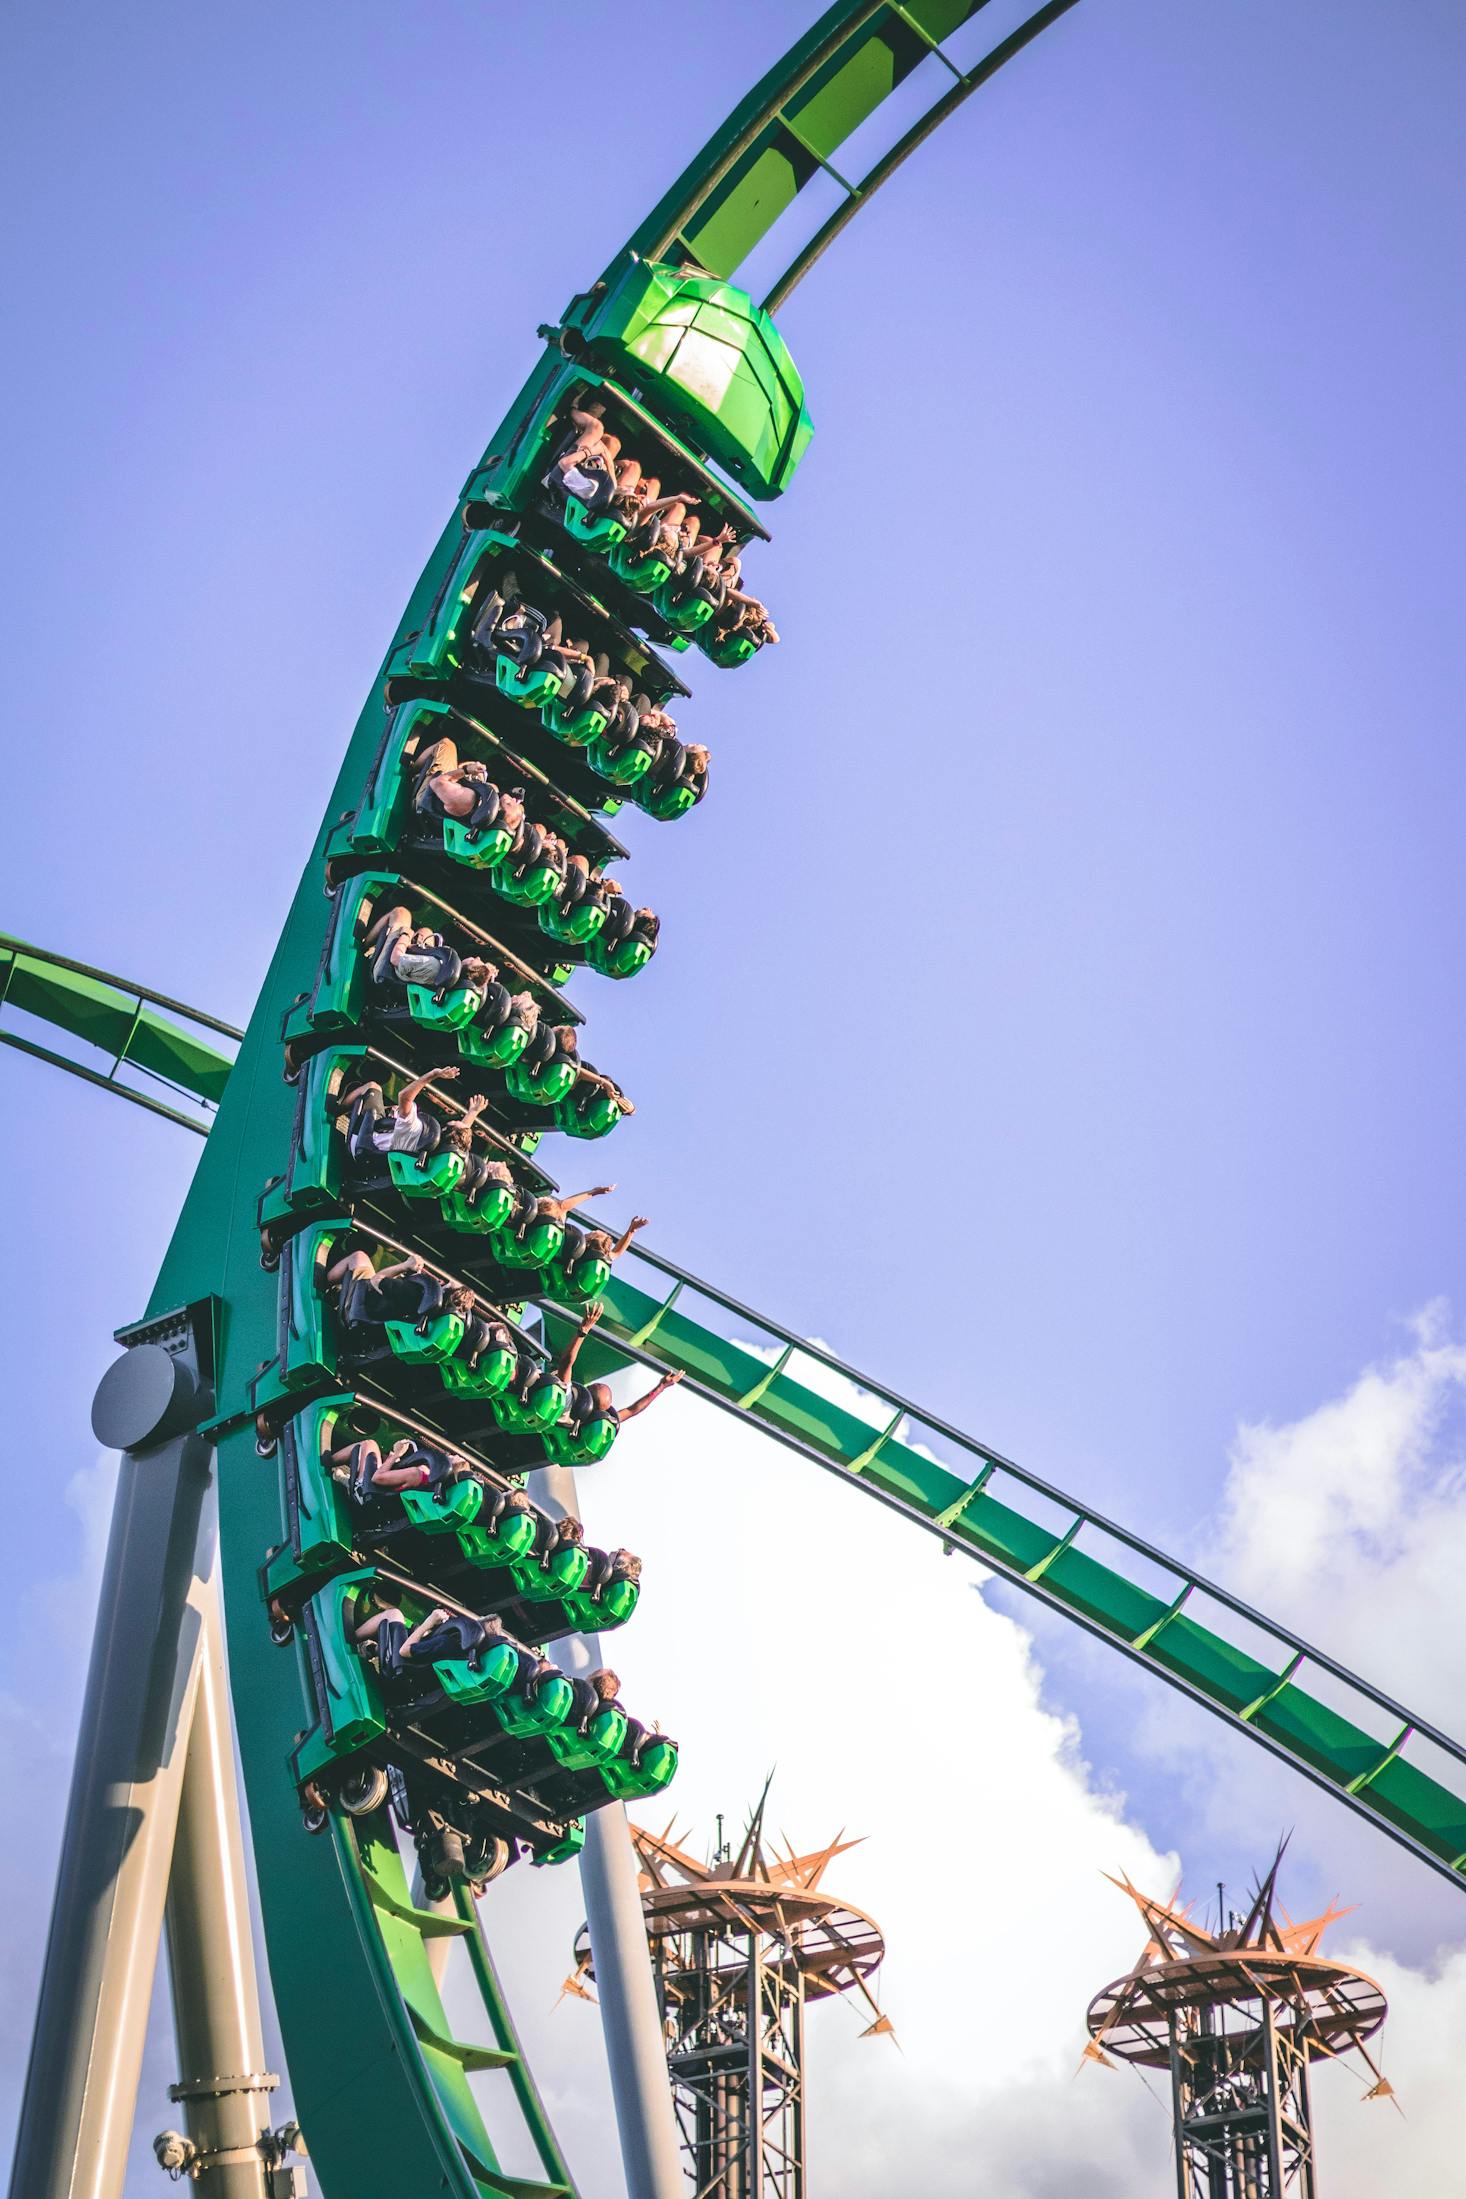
{"x": 374, "y": 1127}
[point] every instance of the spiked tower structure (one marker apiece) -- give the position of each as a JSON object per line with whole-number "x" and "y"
{"x": 739, "y": 1946}
{"x": 1237, "y": 2015}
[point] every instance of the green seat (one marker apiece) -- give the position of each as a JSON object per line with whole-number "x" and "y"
{"x": 493, "y": 1049}
{"x": 551, "y": 1705}
{"x": 633, "y": 1783}
{"x": 493, "y": 1372}
{"x": 616, "y": 1602}
{"x": 560, "y": 1576}
{"x": 613, "y": 1607}
{"x": 732, "y": 649}
{"x": 625, "y": 959}
{"x": 425, "y": 1176}
{"x": 587, "y": 1448}
{"x": 645, "y": 575}
{"x": 599, "y": 1745}
{"x": 539, "y": 884}
{"x": 575, "y": 727}
{"x": 451, "y": 1013}
{"x": 444, "y": 1513}
{"x": 578, "y": 1285}
{"x": 534, "y": 685}
{"x": 466, "y": 1684}
{"x": 544, "y": 1087}
{"x": 597, "y": 530}
{"x": 429, "y": 1348}
{"x": 622, "y": 766}
{"x": 564, "y": 1851}
{"x": 492, "y": 1547}
{"x": 460, "y": 846}
{"x": 594, "y": 1117}
{"x": 532, "y": 1247}
{"x": 684, "y": 617}
{"x": 578, "y": 928}
{"x": 668, "y": 801}
{"x": 532, "y": 1415}
{"x": 481, "y": 1217}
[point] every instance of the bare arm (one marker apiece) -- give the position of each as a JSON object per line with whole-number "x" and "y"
{"x": 409, "y": 1092}
{"x": 578, "y": 1198}
{"x": 571, "y": 1352}
{"x": 640, "y": 1404}
{"x": 412, "y": 1265}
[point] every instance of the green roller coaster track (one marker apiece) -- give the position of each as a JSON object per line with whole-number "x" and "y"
{"x": 386, "y": 2091}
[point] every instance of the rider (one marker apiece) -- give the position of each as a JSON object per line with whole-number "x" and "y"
{"x": 374, "y": 1127}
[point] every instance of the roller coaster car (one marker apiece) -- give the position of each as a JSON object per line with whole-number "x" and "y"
{"x": 496, "y": 565}
{"x": 466, "y": 640}
{"x": 411, "y": 1356}
{"x": 672, "y": 605}
{"x": 327, "y": 1521}
{"x": 447, "y": 1735}
{"x": 477, "y": 1538}
{"x": 386, "y": 820}
{"x": 327, "y": 1172}
{"x": 452, "y": 1019}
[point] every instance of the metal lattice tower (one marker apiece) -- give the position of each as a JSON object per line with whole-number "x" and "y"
{"x": 1236, "y": 2016}
{"x": 739, "y": 1947}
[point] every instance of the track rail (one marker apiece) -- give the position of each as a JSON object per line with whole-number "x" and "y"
{"x": 117, "y": 1030}
{"x": 1359, "y": 1744}
{"x": 786, "y": 134}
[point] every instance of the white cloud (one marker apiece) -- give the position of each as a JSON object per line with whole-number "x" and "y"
{"x": 1349, "y": 1524}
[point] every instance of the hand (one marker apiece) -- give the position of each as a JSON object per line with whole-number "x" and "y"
{"x": 445, "y": 1076}
{"x": 398, "y": 1450}
{"x": 589, "y": 1318}
{"x": 639, "y": 1221}
{"x": 413, "y": 1264}
{"x": 670, "y": 1381}
{"x": 602, "y": 1190}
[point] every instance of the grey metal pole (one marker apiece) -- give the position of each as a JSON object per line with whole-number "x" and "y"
{"x": 223, "y": 2085}
{"x": 87, "y": 2046}
{"x": 635, "y": 2048}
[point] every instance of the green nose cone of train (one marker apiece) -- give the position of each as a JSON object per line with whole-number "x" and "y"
{"x": 704, "y": 354}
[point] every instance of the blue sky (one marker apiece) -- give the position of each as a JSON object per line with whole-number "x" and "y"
{"x": 1056, "y": 1010}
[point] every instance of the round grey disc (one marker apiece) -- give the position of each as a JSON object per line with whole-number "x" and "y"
{"x": 142, "y": 1398}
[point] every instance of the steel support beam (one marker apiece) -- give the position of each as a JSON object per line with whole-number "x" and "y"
{"x": 630, "y": 2018}
{"x": 117, "y": 1843}
{"x": 152, "y": 1824}
{"x": 224, "y": 2087}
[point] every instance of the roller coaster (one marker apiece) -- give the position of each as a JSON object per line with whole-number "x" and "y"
{"x": 369, "y": 1348}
